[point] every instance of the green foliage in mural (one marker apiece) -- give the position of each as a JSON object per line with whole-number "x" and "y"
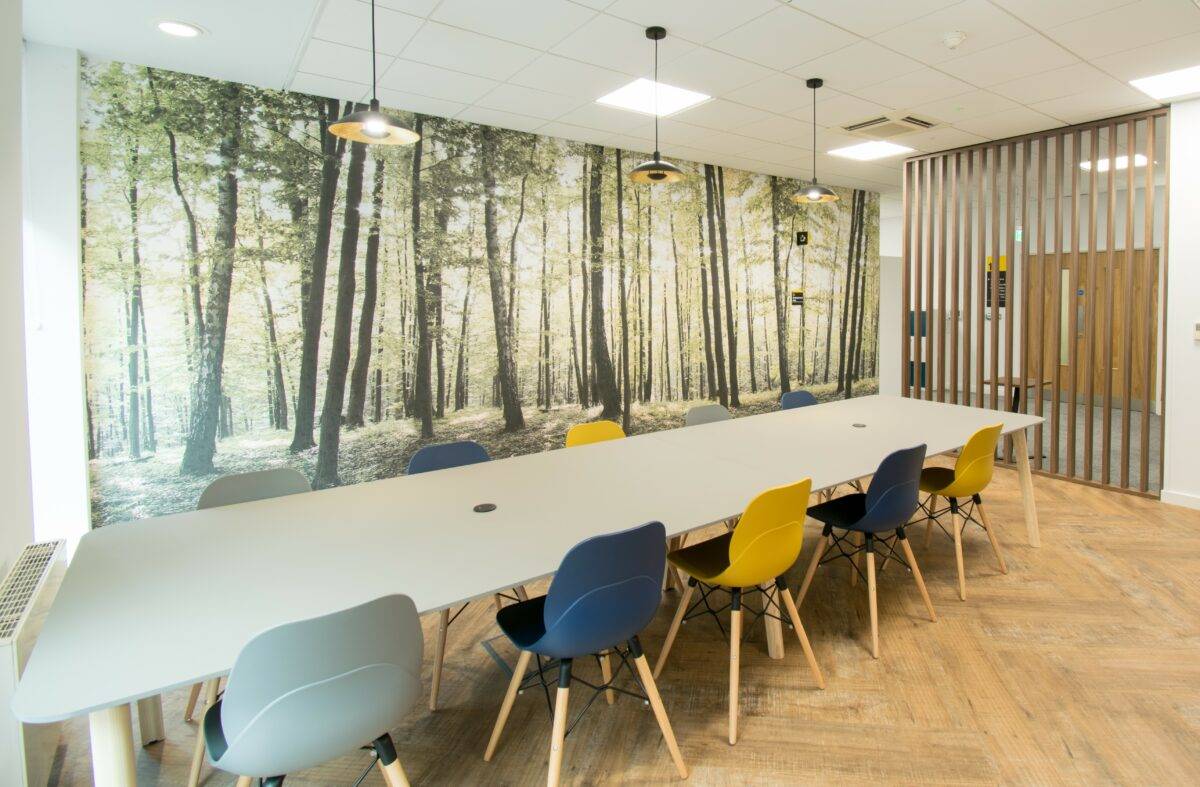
{"x": 259, "y": 293}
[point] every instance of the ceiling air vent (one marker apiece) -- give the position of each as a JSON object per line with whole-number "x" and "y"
{"x": 885, "y": 127}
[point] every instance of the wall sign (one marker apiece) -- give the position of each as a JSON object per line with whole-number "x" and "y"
{"x": 797, "y": 297}
{"x": 802, "y": 237}
{"x": 1002, "y": 284}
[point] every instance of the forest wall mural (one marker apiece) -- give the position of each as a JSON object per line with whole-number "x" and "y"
{"x": 259, "y": 294}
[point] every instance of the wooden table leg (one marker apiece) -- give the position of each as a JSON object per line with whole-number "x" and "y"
{"x": 774, "y": 626}
{"x": 1026, "y": 477}
{"x": 150, "y": 719}
{"x": 112, "y": 747}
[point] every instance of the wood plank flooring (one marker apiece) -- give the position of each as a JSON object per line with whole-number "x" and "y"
{"x": 1081, "y": 666}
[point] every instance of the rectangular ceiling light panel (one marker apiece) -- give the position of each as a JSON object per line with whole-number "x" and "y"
{"x": 652, "y": 98}
{"x": 1173, "y": 84}
{"x": 870, "y": 151}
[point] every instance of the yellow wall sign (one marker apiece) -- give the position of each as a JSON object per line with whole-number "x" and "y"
{"x": 1003, "y": 263}
{"x": 797, "y": 297}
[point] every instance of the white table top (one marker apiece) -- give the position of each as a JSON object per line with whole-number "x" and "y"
{"x": 160, "y": 603}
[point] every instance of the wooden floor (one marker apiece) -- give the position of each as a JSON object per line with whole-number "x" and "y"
{"x": 1081, "y": 666}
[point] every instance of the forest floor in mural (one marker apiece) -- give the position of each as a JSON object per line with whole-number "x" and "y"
{"x": 124, "y": 489}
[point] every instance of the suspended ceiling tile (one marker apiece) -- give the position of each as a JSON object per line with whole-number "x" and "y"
{"x": 1009, "y": 123}
{"x": 839, "y": 109}
{"x": 1044, "y": 14}
{"x": 327, "y": 87}
{"x": 677, "y": 131}
{"x": 783, "y": 38}
{"x": 528, "y": 101}
{"x": 349, "y": 22}
{"x": 964, "y": 106}
{"x": 602, "y": 118}
{"x": 1033, "y": 54}
{"x": 576, "y": 133}
{"x": 1128, "y": 26}
{"x": 569, "y": 77}
{"x": 721, "y": 114}
{"x": 620, "y": 45}
{"x": 984, "y": 24}
{"x": 939, "y": 138}
{"x": 411, "y": 102}
{"x": 775, "y": 93}
{"x": 423, "y": 79}
{"x": 711, "y": 72}
{"x": 919, "y": 87}
{"x": 416, "y": 7}
{"x": 1093, "y": 104}
{"x": 695, "y": 20}
{"x": 858, "y": 65}
{"x": 778, "y": 129}
{"x": 1158, "y": 58}
{"x": 500, "y": 119}
{"x": 535, "y": 23}
{"x": 870, "y": 17}
{"x": 462, "y": 50}
{"x": 1066, "y": 81}
{"x": 338, "y": 61}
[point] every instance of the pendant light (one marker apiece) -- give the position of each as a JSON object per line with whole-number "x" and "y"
{"x": 814, "y": 192}
{"x": 371, "y": 126}
{"x": 656, "y": 170}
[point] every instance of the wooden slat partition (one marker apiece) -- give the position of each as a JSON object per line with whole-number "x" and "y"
{"x": 1038, "y": 286}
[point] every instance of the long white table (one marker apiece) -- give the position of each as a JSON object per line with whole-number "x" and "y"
{"x": 162, "y": 603}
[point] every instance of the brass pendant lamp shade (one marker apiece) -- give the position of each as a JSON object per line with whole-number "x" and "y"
{"x": 656, "y": 170}
{"x": 814, "y": 192}
{"x": 370, "y": 126}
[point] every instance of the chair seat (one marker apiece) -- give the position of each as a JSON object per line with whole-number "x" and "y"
{"x": 524, "y": 622}
{"x": 843, "y": 512}
{"x": 936, "y": 479}
{"x": 706, "y": 560}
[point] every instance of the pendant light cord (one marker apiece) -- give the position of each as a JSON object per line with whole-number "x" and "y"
{"x": 374, "y": 77}
{"x": 656, "y": 97}
{"x": 814, "y": 125}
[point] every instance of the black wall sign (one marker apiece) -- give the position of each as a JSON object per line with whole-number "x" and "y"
{"x": 802, "y": 238}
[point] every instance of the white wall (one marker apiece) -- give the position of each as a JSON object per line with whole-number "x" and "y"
{"x": 891, "y": 251}
{"x": 16, "y": 519}
{"x": 1181, "y": 474}
{"x": 53, "y": 316}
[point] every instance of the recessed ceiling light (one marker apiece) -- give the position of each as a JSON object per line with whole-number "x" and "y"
{"x": 652, "y": 98}
{"x": 869, "y": 151}
{"x": 1173, "y": 84}
{"x": 180, "y": 29}
{"x": 1122, "y": 163}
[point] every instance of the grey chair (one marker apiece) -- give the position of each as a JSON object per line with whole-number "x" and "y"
{"x": 226, "y": 491}
{"x": 306, "y": 692}
{"x": 706, "y": 414}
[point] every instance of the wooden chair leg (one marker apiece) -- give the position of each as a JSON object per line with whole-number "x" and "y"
{"x": 558, "y": 731}
{"x": 822, "y": 544}
{"x": 991, "y": 534}
{"x": 189, "y": 710}
{"x": 794, "y": 614}
{"x": 874, "y": 604}
{"x": 684, "y": 600}
{"x": 959, "y": 523}
{"x": 660, "y": 713}
{"x": 929, "y": 520}
{"x": 735, "y": 646}
{"x": 210, "y": 698}
{"x": 856, "y": 561}
{"x": 393, "y": 773}
{"x": 606, "y": 672}
{"x": 521, "y": 592}
{"x": 499, "y": 602}
{"x": 245, "y": 781}
{"x": 772, "y": 625}
{"x": 916, "y": 572}
{"x": 510, "y": 696}
{"x": 439, "y": 656}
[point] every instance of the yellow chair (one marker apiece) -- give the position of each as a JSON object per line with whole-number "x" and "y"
{"x": 754, "y": 556}
{"x": 970, "y": 476}
{"x": 593, "y": 432}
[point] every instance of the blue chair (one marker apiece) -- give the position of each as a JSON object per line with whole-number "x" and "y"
{"x": 793, "y": 399}
{"x": 443, "y": 456}
{"x": 606, "y": 590}
{"x": 876, "y": 517}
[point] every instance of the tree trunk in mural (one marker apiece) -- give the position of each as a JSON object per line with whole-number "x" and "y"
{"x": 585, "y": 364}
{"x": 648, "y": 380}
{"x": 779, "y": 280}
{"x": 343, "y": 323}
{"x": 510, "y": 398}
{"x": 685, "y": 389}
{"x": 730, "y": 326}
{"x": 422, "y": 374}
{"x": 749, "y": 306}
{"x": 545, "y": 388}
{"x": 366, "y": 317}
{"x": 715, "y": 276}
{"x": 92, "y": 443}
{"x": 709, "y": 363}
{"x": 201, "y": 441}
{"x": 133, "y": 310}
{"x": 856, "y": 216}
{"x": 460, "y": 362}
{"x": 441, "y": 220}
{"x": 278, "y": 393}
{"x": 623, "y": 299}
{"x": 312, "y": 296}
{"x": 606, "y": 383}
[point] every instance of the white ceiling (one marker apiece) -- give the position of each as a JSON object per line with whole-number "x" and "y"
{"x": 538, "y": 65}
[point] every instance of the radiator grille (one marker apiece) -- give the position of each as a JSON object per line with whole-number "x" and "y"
{"x": 22, "y": 582}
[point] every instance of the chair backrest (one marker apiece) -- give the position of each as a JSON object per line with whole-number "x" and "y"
{"x": 793, "y": 399}
{"x": 977, "y": 460}
{"x": 594, "y": 432}
{"x": 305, "y": 692}
{"x": 706, "y": 414}
{"x": 892, "y": 496}
{"x": 606, "y": 590}
{"x": 257, "y": 485}
{"x": 768, "y": 536}
{"x": 444, "y": 455}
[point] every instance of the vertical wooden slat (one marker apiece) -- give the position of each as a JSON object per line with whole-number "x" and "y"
{"x": 930, "y": 255}
{"x": 1127, "y": 299}
{"x": 994, "y": 253}
{"x": 1090, "y": 294}
{"x": 1106, "y": 334}
{"x": 980, "y": 357}
{"x": 1023, "y": 272}
{"x": 1149, "y": 285}
{"x": 906, "y": 277}
{"x": 968, "y": 267}
{"x": 955, "y": 163}
{"x": 1056, "y": 304}
{"x": 1010, "y": 211}
{"x": 1038, "y": 337}
{"x": 918, "y": 264}
{"x": 941, "y": 282}
{"x": 1073, "y": 316}
{"x": 1166, "y": 262}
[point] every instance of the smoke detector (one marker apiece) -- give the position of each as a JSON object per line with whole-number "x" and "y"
{"x": 954, "y": 39}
